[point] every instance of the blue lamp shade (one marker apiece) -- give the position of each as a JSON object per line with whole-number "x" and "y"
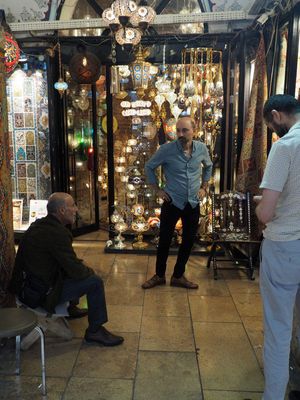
{"x": 61, "y": 86}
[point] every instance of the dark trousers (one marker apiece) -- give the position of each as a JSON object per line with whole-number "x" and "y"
{"x": 93, "y": 288}
{"x": 168, "y": 219}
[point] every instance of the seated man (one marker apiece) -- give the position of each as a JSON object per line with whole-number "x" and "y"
{"x": 47, "y": 271}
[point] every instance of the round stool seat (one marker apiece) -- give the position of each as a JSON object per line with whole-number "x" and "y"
{"x": 16, "y": 321}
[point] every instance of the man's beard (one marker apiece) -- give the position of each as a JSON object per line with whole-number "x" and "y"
{"x": 280, "y": 130}
{"x": 183, "y": 140}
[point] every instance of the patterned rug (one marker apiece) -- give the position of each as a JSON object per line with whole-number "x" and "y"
{"x": 7, "y": 252}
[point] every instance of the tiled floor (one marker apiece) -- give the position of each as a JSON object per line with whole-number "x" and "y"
{"x": 179, "y": 345}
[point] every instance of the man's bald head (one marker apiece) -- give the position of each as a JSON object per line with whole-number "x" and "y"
{"x": 56, "y": 201}
{"x": 188, "y": 120}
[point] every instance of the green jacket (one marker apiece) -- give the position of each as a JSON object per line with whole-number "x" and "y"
{"x": 46, "y": 252}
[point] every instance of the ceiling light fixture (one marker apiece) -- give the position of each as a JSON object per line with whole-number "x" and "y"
{"x": 127, "y": 20}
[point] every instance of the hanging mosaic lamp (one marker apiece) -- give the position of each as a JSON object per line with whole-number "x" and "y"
{"x": 10, "y": 51}
{"x": 61, "y": 86}
{"x": 85, "y": 67}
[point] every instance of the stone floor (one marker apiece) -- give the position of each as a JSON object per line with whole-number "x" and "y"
{"x": 179, "y": 344}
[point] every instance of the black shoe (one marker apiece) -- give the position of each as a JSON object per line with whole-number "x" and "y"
{"x": 76, "y": 312}
{"x": 103, "y": 336}
{"x": 294, "y": 395}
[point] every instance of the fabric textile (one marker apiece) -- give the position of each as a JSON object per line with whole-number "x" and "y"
{"x": 7, "y": 250}
{"x": 254, "y": 148}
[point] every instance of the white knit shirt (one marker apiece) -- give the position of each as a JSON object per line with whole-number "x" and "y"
{"x": 282, "y": 174}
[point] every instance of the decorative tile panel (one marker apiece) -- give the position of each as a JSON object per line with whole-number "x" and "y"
{"x": 27, "y": 98}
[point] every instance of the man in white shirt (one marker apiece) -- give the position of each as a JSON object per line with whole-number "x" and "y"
{"x": 279, "y": 210}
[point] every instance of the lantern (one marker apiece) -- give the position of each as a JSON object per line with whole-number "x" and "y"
{"x": 11, "y": 52}
{"x": 85, "y": 68}
{"x": 140, "y": 72}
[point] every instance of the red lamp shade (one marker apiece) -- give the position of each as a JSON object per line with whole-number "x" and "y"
{"x": 11, "y": 53}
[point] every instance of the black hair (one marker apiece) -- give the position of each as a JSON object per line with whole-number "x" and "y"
{"x": 280, "y": 102}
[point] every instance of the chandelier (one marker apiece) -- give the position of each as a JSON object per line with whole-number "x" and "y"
{"x": 127, "y": 20}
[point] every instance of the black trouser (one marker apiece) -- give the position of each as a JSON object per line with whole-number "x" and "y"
{"x": 93, "y": 288}
{"x": 168, "y": 219}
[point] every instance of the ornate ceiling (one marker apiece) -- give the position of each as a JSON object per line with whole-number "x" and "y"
{"x": 35, "y": 10}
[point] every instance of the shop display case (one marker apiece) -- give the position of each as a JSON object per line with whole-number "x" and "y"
{"x": 28, "y": 129}
{"x": 147, "y": 100}
{"x": 87, "y": 150}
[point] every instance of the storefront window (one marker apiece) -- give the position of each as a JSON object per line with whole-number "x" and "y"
{"x": 27, "y": 100}
{"x": 81, "y": 151}
{"x": 147, "y": 101}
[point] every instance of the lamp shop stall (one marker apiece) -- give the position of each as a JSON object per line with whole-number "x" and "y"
{"x": 106, "y": 107}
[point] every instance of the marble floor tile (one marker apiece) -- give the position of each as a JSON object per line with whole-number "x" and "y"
{"x": 60, "y": 357}
{"x": 166, "y": 334}
{"x": 99, "y": 389}
{"x": 124, "y": 289}
{"x": 213, "y": 309}
{"x": 166, "y": 376}
{"x": 96, "y": 361}
{"x": 128, "y": 263}
{"x": 78, "y": 327}
{"x": 169, "y": 304}
{"x": 254, "y": 329}
{"x": 124, "y": 318}
{"x": 243, "y": 285}
{"x": 221, "y": 395}
{"x": 26, "y": 388}
{"x": 248, "y": 304}
{"x": 209, "y": 287}
{"x": 226, "y": 357}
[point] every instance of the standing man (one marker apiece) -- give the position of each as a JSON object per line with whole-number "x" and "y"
{"x": 47, "y": 271}
{"x": 279, "y": 210}
{"x": 182, "y": 166}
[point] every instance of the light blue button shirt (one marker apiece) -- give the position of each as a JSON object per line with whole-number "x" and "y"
{"x": 183, "y": 174}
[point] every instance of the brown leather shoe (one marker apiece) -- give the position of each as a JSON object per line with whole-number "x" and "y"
{"x": 183, "y": 282}
{"x": 154, "y": 281}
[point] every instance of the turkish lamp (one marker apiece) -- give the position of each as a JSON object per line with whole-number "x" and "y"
{"x": 140, "y": 72}
{"x": 128, "y": 36}
{"x": 143, "y": 17}
{"x": 112, "y": 20}
{"x": 61, "y": 86}
{"x": 124, "y": 9}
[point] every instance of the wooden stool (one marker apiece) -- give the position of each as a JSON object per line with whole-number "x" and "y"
{"x": 15, "y": 322}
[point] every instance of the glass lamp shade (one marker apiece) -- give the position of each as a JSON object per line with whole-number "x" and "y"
{"x": 144, "y": 16}
{"x": 128, "y": 36}
{"x": 11, "y": 52}
{"x": 110, "y": 17}
{"x": 85, "y": 68}
{"x": 140, "y": 71}
{"x": 124, "y": 8}
{"x": 119, "y": 168}
{"x": 61, "y": 86}
{"x": 131, "y": 142}
{"x": 140, "y": 225}
{"x": 137, "y": 210}
{"x": 121, "y": 226}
